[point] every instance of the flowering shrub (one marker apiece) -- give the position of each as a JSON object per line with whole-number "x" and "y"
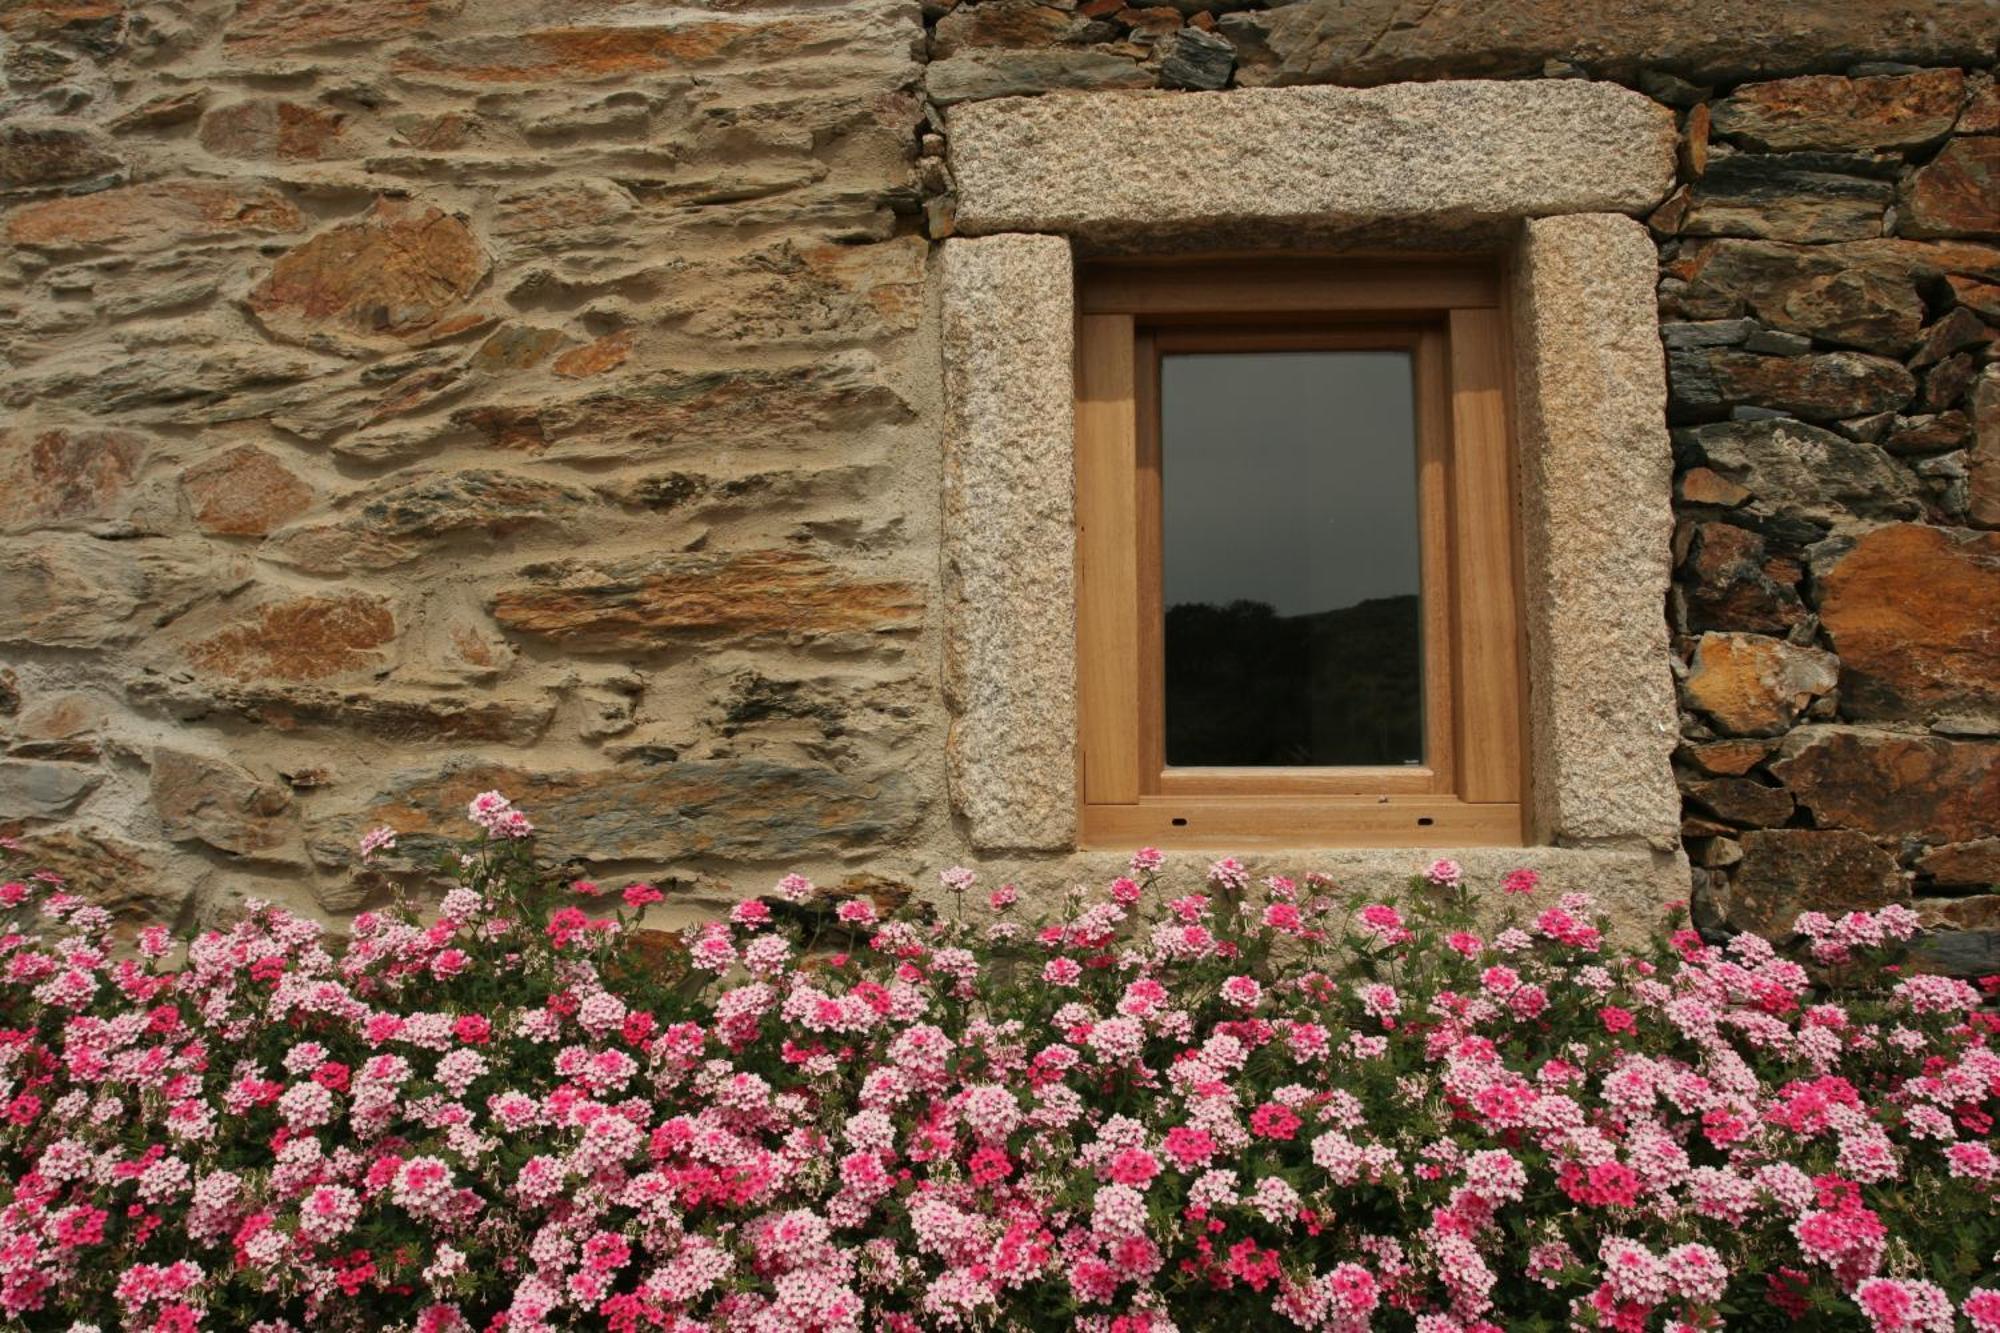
{"x": 1248, "y": 1107}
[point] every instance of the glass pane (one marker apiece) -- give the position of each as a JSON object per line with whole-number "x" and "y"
{"x": 1289, "y": 520}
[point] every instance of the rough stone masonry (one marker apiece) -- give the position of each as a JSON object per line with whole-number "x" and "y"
{"x": 408, "y": 397}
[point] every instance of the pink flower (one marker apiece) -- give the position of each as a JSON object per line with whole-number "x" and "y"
{"x": 1520, "y": 881}
{"x": 1445, "y": 874}
{"x": 642, "y": 895}
{"x": 1243, "y": 992}
{"x": 1147, "y": 859}
{"x": 856, "y": 911}
{"x": 1134, "y": 1166}
{"x": 1272, "y": 1121}
{"x": 1189, "y": 1147}
{"x": 377, "y": 840}
{"x": 1228, "y": 873}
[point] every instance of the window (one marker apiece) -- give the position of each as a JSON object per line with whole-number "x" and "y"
{"x": 1297, "y": 591}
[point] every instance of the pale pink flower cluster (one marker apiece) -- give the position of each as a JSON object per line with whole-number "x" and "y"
{"x": 1257, "y": 1105}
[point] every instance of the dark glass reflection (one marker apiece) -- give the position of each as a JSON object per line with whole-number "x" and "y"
{"x": 1290, "y": 531}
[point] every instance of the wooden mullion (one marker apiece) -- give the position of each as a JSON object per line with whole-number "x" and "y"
{"x": 1150, "y": 529}
{"x": 1487, "y": 604}
{"x": 1436, "y": 572}
{"x": 1107, "y": 560}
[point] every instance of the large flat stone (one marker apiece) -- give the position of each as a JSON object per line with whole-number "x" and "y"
{"x": 1709, "y": 41}
{"x": 1827, "y": 111}
{"x": 394, "y": 275}
{"x": 1803, "y": 471}
{"x": 155, "y": 216}
{"x": 1788, "y": 871}
{"x": 207, "y": 799}
{"x": 1117, "y": 169}
{"x": 1591, "y": 402}
{"x": 1894, "y": 786}
{"x": 1856, "y": 293}
{"x": 38, "y": 789}
{"x": 70, "y": 591}
{"x": 1010, "y": 650}
{"x": 746, "y": 808}
{"x": 396, "y": 524}
{"x": 68, "y": 477}
{"x": 306, "y": 638}
{"x": 1958, "y": 192}
{"x": 1914, "y": 613}
{"x": 690, "y": 414}
{"x": 640, "y": 603}
{"x": 980, "y": 74}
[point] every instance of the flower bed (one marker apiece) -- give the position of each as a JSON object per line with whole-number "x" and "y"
{"x": 1246, "y": 1107}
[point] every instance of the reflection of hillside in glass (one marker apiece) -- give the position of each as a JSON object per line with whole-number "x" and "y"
{"x": 1247, "y": 686}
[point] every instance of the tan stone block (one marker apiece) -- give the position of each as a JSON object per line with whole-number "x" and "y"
{"x": 1330, "y": 161}
{"x": 394, "y": 524}
{"x": 1010, "y": 551}
{"x": 72, "y": 591}
{"x": 1591, "y": 402}
{"x": 41, "y": 789}
{"x": 744, "y": 808}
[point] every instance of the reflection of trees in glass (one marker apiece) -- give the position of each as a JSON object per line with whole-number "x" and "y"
{"x": 1246, "y": 685}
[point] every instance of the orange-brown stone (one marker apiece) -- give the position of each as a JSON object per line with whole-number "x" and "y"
{"x": 154, "y": 216}
{"x": 1827, "y": 111}
{"x": 1788, "y": 871}
{"x": 244, "y": 493}
{"x": 304, "y": 638}
{"x": 649, "y": 601}
{"x": 1705, "y": 486}
{"x": 270, "y": 26}
{"x": 1730, "y": 758}
{"x": 272, "y": 130}
{"x": 1894, "y": 786}
{"x": 595, "y": 358}
{"x": 1963, "y": 863}
{"x": 66, "y": 476}
{"x": 1957, "y": 193}
{"x": 1914, "y": 613}
{"x": 397, "y": 273}
{"x": 569, "y": 55}
{"x": 1752, "y": 685}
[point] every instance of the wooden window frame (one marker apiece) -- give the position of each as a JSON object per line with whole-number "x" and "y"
{"x": 1470, "y": 789}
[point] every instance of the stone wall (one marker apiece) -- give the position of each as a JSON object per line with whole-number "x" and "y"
{"x": 406, "y": 397}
